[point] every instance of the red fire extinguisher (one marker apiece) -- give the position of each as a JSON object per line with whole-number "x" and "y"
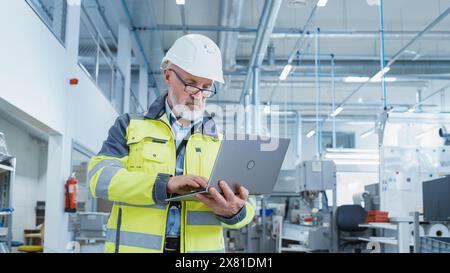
{"x": 71, "y": 189}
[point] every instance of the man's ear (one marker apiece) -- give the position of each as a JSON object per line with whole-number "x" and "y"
{"x": 166, "y": 76}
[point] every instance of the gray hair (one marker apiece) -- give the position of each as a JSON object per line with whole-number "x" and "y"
{"x": 166, "y": 65}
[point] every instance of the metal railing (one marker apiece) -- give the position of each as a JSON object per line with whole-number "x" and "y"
{"x": 135, "y": 106}
{"x": 54, "y": 14}
{"x": 97, "y": 59}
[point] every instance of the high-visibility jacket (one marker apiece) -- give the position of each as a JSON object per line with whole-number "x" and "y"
{"x": 132, "y": 170}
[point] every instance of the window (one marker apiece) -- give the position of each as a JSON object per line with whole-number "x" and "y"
{"x": 343, "y": 140}
{"x": 95, "y": 56}
{"x": 54, "y": 14}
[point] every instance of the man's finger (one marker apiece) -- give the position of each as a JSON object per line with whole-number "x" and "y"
{"x": 229, "y": 194}
{"x": 217, "y": 196}
{"x": 202, "y": 182}
{"x": 192, "y": 183}
{"x": 204, "y": 199}
{"x": 243, "y": 193}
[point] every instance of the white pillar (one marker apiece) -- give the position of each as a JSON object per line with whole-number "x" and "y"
{"x": 124, "y": 62}
{"x": 143, "y": 87}
{"x": 56, "y": 220}
{"x": 73, "y": 29}
{"x": 57, "y": 234}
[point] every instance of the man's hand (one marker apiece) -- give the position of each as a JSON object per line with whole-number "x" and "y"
{"x": 227, "y": 205}
{"x": 185, "y": 184}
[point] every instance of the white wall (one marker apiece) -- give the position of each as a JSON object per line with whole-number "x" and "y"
{"x": 34, "y": 73}
{"x": 29, "y": 186}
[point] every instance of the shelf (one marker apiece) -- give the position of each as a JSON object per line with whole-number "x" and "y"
{"x": 389, "y": 226}
{"x": 4, "y": 168}
{"x": 382, "y": 240}
{"x": 6, "y": 194}
{"x": 295, "y": 249}
{"x": 409, "y": 219}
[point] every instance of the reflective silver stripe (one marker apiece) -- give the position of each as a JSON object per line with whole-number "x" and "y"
{"x": 202, "y": 218}
{"x": 208, "y": 251}
{"x": 134, "y": 239}
{"x": 104, "y": 163}
{"x": 101, "y": 190}
{"x": 155, "y": 206}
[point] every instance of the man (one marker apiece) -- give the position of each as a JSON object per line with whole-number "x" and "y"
{"x": 169, "y": 151}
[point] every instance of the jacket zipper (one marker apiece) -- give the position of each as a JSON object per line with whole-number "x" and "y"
{"x": 168, "y": 207}
{"x": 119, "y": 224}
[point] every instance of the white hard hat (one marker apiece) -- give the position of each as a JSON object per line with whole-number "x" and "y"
{"x": 197, "y": 55}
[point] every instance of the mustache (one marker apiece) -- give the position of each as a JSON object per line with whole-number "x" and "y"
{"x": 193, "y": 102}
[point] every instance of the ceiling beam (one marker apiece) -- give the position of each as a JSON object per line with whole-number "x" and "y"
{"x": 248, "y": 33}
{"x": 183, "y": 18}
{"x": 266, "y": 25}
{"x": 400, "y": 52}
{"x": 228, "y": 41}
{"x": 149, "y": 63}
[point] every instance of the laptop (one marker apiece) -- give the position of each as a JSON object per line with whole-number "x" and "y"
{"x": 247, "y": 161}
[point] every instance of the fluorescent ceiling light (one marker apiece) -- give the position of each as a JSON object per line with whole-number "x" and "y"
{"x": 380, "y": 74}
{"x": 368, "y": 133}
{"x": 415, "y": 53}
{"x": 356, "y": 79}
{"x": 180, "y": 2}
{"x": 287, "y": 69}
{"x": 310, "y": 133}
{"x": 365, "y": 79}
{"x": 373, "y": 2}
{"x": 322, "y": 3}
{"x": 386, "y": 79}
{"x": 337, "y": 112}
{"x": 74, "y": 2}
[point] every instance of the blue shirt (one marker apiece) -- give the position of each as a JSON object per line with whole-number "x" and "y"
{"x": 179, "y": 132}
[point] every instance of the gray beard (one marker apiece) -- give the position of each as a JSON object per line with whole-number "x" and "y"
{"x": 184, "y": 112}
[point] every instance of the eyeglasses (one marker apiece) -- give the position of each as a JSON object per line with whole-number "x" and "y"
{"x": 194, "y": 90}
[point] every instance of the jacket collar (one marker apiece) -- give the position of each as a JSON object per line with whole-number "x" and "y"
{"x": 158, "y": 109}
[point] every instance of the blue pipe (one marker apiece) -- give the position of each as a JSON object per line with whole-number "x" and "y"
{"x": 333, "y": 90}
{"x": 382, "y": 62}
{"x": 318, "y": 133}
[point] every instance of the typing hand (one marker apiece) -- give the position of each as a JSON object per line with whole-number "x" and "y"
{"x": 185, "y": 184}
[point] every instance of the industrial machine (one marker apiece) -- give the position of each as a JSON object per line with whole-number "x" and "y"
{"x": 89, "y": 230}
{"x": 309, "y": 225}
{"x": 296, "y": 217}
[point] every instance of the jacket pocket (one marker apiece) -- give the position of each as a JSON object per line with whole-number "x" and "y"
{"x": 145, "y": 150}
